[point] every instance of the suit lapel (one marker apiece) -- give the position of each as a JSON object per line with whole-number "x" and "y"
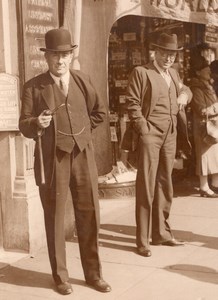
{"x": 154, "y": 78}
{"x": 175, "y": 79}
{"x": 47, "y": 91}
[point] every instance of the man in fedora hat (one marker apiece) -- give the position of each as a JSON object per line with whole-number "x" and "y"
{"x": 60, "y": 109}
{"x": 155, "y": 98}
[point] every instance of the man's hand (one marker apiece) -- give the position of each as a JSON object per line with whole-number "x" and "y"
{"x": 44, "y": 119}
{"x": 182, "y": 100}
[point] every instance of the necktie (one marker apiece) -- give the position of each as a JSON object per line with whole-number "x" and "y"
{"x": 63, "y": 87}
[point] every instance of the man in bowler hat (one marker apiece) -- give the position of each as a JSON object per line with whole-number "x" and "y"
{"x": 155, "y": 99}
{"x": 60, "y": 109}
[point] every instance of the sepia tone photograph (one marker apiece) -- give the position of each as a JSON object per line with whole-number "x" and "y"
{"x": 108, "y": 137}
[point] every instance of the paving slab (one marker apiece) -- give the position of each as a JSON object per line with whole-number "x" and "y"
{"x": 171, "y": 273}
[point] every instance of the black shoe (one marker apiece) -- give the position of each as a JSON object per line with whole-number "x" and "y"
{"x": 172, "y": 243}
{"x": 64, "y": 288}
{"x": 208, "y": 195}
{"x": 100, "y": 285}
{"x": 144, "y": 251}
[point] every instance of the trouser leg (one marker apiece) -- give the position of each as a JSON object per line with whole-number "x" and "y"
{"x": 154, "y": 190}
{"x": 84, "y": 188}
{"x": 53, "y": 201}
{"x": 148, "y": 159}
{"x": 164, "y": 191}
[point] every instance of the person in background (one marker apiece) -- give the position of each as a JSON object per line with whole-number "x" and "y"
{"x": 60, "y": 109}
{"x": 200, "y": 49}
{"x": 204, "y": 101}
{"x": 214, "y": 75}
{"x": 156, "y": 98}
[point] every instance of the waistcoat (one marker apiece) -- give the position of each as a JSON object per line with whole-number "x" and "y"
{"x": 65, "y": 142}
{"x": 73, "y": 119}
{"x": 166, "y": 107}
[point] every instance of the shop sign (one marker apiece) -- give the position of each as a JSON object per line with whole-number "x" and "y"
{"x": 113, "y": 134}
{"x": 38, "y": 17}
{"x": 113, "y": 118}
{"x": 118, "y": 55}
{"x": 198, "y": 11}
{"x": 9, "y": 108}
{"x": 136, "y": 57}
{"x": 129, "y": 36}
{"x": 122, "y": 99}
{"x": 122, "y": 83}
{"x": 211, "y": 34}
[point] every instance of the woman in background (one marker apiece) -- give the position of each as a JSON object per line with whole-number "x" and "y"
{"x": 204, "y": 102}
{"x": 214, "y": 75}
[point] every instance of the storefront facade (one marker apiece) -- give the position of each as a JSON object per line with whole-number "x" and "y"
{"x": 95, "y": 25}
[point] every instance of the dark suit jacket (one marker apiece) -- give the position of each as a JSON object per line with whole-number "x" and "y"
{"x": 37, "y": 96}
{"x": 142, "y": 96}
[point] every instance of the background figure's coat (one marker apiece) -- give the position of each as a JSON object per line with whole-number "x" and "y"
{"x": 206, "y": 155}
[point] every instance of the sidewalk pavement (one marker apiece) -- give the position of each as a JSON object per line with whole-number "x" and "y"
{"x": 171, "y": 273}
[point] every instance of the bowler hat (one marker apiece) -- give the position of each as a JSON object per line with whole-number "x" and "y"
{"x": 58, "y": 40}
{"x": 198, "y": 63}
{"x": 167, "y": 42}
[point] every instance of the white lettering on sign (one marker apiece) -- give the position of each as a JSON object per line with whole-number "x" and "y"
{"x": 39, "y": 29}
{"x": 3, "y": 116}
{"x": 9, "y": 108}
{"x": 34, "y": 50}
{"x": 40, "y": 15}
{"x": 7, "y": 78}
{"x": 45, "y": 3}
{"x": 7, "y": 93}
{"x": 210, "y": 6}
{"x": 38, "y": 64}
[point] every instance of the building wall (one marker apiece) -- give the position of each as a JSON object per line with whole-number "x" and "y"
{"x": 21, "y": 226}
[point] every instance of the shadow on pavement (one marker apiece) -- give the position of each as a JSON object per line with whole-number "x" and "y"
{"x": 117, "y": 246}
{"x": 196, "y": 272}
{"x": 188, "y": 236}
{"x": 29, "y": 278}
{"x": 186, "y": 188}
{"x": 121, "y": 229}
{"x": 118, "y": 229}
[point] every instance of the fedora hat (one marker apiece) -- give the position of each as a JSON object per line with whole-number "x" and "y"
{"x": 58, "y": 40}
{"x": 167, "y": 42}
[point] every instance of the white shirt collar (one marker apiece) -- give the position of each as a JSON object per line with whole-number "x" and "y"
{"x": 65, "y": 78}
